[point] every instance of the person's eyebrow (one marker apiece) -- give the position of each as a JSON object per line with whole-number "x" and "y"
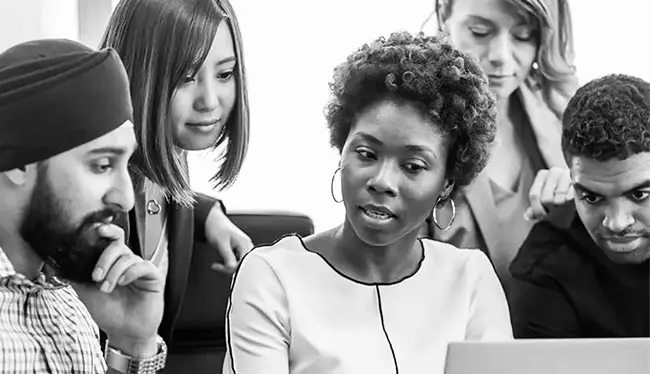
{"x": 112, "y": 150}
{"x": 226, "y": 60}
{"x": 411, "y": 147}
{"x": 473, "y": 17}
{"x": 640, "y": 186}
{"x": 422, "y": 149}
{"x": 582, "y": 189}
{"x": 369, "y": 138}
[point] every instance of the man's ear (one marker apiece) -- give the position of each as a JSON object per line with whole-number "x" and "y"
{"x": 20, "y": 176}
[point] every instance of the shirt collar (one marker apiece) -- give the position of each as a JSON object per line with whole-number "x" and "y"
{"x": 6, "y": 267}
{"x": 7, "y": 271}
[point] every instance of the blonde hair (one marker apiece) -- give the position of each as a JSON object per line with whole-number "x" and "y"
{"x": 556, "y": 72}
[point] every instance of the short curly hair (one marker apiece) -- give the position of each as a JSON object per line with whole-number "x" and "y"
{"x": 608, "y": 118}
{"x": 426, "y": 70}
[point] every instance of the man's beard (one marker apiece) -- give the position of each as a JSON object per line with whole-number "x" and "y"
{"x": 71, "y": 250}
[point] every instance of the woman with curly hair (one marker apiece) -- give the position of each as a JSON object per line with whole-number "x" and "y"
{"x": 413, "y": 120}
{"x": 526, "y": 49}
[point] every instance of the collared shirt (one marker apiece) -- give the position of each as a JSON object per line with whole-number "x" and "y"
{"x": 44, "y": 326}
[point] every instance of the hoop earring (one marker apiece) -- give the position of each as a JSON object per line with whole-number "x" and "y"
{"x": 435, "y": 214}
{"x": 332, "y": 185}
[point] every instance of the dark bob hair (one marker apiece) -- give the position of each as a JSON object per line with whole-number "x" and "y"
{"x": 160, "y": 43}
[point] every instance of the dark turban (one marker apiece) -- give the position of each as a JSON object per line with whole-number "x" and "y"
{"x": 55, "y": 95}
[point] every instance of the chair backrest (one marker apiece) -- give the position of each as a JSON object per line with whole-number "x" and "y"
{"x": 267, "y": 227}
{"x": 544, "y": 356}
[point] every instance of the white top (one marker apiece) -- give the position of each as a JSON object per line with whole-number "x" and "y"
{"x": 160, "y": 256}
{"x": 291, "y": 312}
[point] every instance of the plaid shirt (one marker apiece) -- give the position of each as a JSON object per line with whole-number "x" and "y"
{"x": 44, "y": 327}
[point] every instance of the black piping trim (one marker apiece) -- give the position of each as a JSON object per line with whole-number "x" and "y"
{"x": 383, "y": 327}
{"x": 369, "y": 283}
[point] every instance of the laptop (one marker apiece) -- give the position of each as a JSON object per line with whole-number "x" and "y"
{"x": 550, "y": 356}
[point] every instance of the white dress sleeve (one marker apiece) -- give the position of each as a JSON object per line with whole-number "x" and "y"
{"x": 257, "y": 320}
{"x": 489, "y": 316}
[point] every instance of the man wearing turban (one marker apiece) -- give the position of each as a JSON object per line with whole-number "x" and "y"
{"x": 66, "y": 135}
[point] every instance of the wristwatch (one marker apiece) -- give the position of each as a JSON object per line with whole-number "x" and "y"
{"x": 123, "y": 363}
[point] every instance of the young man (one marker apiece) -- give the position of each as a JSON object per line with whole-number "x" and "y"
{"x": 583, "y": 271}
{"x": 65, "y": 140}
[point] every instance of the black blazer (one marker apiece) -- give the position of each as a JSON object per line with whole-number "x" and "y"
{"x": 185, "y": 226}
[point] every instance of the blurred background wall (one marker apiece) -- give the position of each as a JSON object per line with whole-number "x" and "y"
{"x": 291, "y": 47}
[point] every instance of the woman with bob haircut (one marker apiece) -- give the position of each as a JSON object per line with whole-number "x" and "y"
{"x": 185, "y": 63}
{"x": 413, "y": 120}
{"x": 526, "y": 49}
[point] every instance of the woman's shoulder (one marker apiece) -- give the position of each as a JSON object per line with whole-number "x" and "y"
{"x": 450, "y": 256}
{"x": 286, "y": 263}
{"x": 466, "y": 269}
{"x": 286, "y": 250}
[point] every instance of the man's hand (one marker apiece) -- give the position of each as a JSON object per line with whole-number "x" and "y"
{"x": 127, "y": 300}
{"x": 551, "y": 187}
{"x": 231, "y": 242}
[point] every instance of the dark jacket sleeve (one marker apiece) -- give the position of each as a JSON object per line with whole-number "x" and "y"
{"x": 540, "y": 304}
{"x": 540, "y": 312}
{"x": 202, "y": 208}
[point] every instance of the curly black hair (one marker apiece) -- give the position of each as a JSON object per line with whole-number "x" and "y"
{"x": 427, "y": 71}
{"x": 608, "y": 118}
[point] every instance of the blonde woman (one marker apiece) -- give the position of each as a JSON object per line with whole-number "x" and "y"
{"x": 526, "y": 49}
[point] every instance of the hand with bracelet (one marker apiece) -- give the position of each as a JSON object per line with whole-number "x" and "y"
{"x": 127, "y": 303}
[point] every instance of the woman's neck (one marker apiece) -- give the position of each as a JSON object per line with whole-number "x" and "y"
{"x": 373, "y": 264}
{"x": 503, "y": 109}
{"x": 505, "y": 121}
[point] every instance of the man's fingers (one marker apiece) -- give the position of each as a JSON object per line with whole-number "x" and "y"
{"x": 108, "y": 258}
{"x": 111, "y": 231}
{"x": 571, "y": 193}
{"x": 564, "y": 188}
{"x": 112, "y": 252}
{"x": 147, "y": 276}
{"x": 535, "y": 192}
{"x": 117, "y": 271}
{"x": 531, "y": 215}
{"x": 550, "y": 188}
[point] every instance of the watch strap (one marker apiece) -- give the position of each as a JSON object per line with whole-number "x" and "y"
{"x": 123, "y": 363}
